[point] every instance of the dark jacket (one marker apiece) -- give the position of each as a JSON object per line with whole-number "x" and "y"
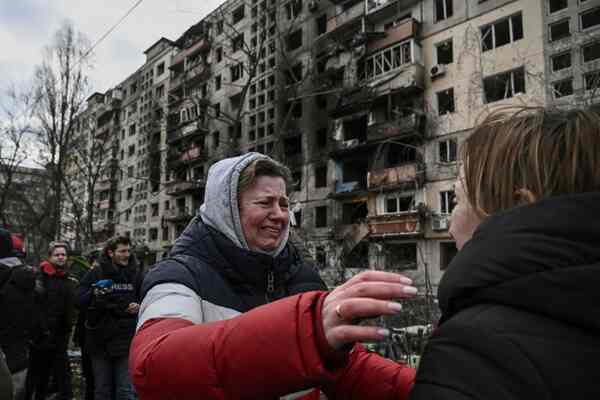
{"x": 56, "y": 296}
{"x": 109, "y": 328}
{"x": 520, "y": 305}
{"x": 19, "y": 312}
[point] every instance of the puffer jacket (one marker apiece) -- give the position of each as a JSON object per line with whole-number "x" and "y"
{"x": 19, "y": 312}
{"x": 242, "y": 325}
{"x": 109, "y": 329}
{"x": 520, "y": 305}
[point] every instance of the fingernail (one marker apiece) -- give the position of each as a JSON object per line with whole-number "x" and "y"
{"x": 383, "y": 332}
{"x": 396, "y": 307}
{"x": 406, "y": 280}
{"x": 409, "y": 290}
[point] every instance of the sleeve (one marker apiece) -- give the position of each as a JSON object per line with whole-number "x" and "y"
{"x": 174, "y": 358}
{"x": 84, "y": 292}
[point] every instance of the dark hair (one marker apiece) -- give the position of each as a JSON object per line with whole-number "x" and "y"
{"x": 113, "y": 243}
{"x": 262, "y": 167}
{"x": 546, "y": 151}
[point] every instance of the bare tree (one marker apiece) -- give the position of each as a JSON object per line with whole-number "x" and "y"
{"x": 60, "y": 87}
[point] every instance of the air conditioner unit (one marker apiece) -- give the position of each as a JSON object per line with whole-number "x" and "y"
{"x": 313, "y": 5}
{"x": 439, "y": 223}
{"x": 437, "y": 71}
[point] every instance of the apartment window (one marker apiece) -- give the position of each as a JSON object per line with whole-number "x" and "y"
{"x": 154, "y": 209}
{"x": 448, "y": 251}
{"x": 321, "y": 138}
{"x": 217, "y": 108}
{"x": 447, "y": 150}
{"x": 296, "y": 180}
{"x": 590, "y": 18}
{"x": 160, "y": 69}
{"x": 321, "y": 217}
{"x": 238, "y": 14}
{"x": 444, "y": 52}
{"x": 130, "y": 171}
{"x": 443, "y": 9}
{"x": 321, "y": 257}
{"x": 321, "y": 176}
{"x": 398, "y": 204}
{"x": 219, "y": 54}
{"x": 237, "y": 43}
{"x": 131, "y": 150}
{"x": 562, "y": 88}
{"x": 446, "y": 202}
{"x": 219, "y": 27}
{"x": 504, "y": 85}
{"x": 237, "y": 72}
{"x": 561, "y": 61}
{"x": 153, "y": 234}
{"x": 388, "y": 59}
{"x": 129, "y": 193}
{"x": 592, "y": 80}
{"x": 560, "y": 30}
{"x": 321, "y": 23}
{"x": 218, "y": 82}
{"x": 165, "y": 233}
{"x": 270, "y": 130}
{"x": 271, "y": 113}
{"x": 132, "y": 129}
{"x": 557, "y": 5}
{"x": 502, "y": 32}
{"x": 294, "y": 40}
{"x": 293, "y": 9}
{"x": 127, "y": 215}
{"x": 216, "y": 136}
{"x": 445, "y": 100}
{"x": 591, "y": 52}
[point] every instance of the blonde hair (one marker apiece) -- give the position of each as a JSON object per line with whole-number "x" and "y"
{"x": 548, "y": 152}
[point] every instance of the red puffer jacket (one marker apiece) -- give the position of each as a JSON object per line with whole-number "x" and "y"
{"x": 287, "y": 353}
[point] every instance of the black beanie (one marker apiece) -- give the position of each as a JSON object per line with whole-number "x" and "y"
{"x": 5, "y": 244}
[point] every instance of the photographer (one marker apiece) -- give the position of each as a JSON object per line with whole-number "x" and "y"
{"x": 109, "y": 296}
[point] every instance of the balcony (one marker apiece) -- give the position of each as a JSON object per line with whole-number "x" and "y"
{"x": 409, "y": 79}
{"x": 176, "y": 188}
{"x": 190, "y": 129}
{"x": 345, "y": 21}
{"x": 103, "y": 204}
{"x": 189, "y": 156}
{"x": 342, "y": 190}
{"x": 395, "y": 177}
{"x": 341, "y": 148}
{"x": 178, "y": 214}
{"x": 394, "y": 225}
{"x": 403, "y": 31}
{"x": 377, "y": 9}
{"x": 409, "y": 126}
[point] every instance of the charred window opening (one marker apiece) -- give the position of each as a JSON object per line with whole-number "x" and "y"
{"x": 398, "y": 155}
{"x": 293, "y": 146}
{"x": 355, "y": 129}
{"x": 321, "y": 176}
{"x": 321, "y": 217}
{"x": 400, "y": 256}
{"x": 356, "y": 171}
{"x": 354, "y": 213}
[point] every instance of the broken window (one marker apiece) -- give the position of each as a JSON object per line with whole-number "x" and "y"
{"x": 152, "y": 234}
{"x": 591, "y": 52}
{"x": 502, "y": 32}
{"x": 294, "y": 40}
{"x": 388, "y": 59}
{"x": 321, "y": 138}
{"x": 398, "y": 155}
{"x": 237, "y": 71}
{"x": 321, "y": 23}
{"x": 354, "y": 213}
{"x": 355, "y": 129}
{"x": 296, "y": 180}
{"x": 504, "y": 85}
{"x": 218, "y": 82}
{"x": 321, "y": 176}
{"x": 446, "y": 202}
{"x": 160, "y": 69}
{"x": 592, "y": 80}
{"x": 293, "y": 146}
{"x": 590, "y": 18}
{"x": 560, "y": 30}
{"x": 447, "y": 252}
{"x": 445, "y": 100}
{"x": 293, "y": 9}
{"x": 563, "y": 88}
{"x": 447, "y": 151}
{"x": 400, "y": 256}
{"x": 561, "y": 61}
{"x": 219, "y": 54}
{"x": 238, "y": 14}
{"x": 443, "y": 9}
{"x": 237, "y": 43}
{"x": 398, "y": 203}
{"x": 557, "y": 5}
{"x": 444, "y": 52}
{"x": 321, "y": 217}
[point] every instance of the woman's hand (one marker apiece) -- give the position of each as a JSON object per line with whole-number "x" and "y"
{"x": 367, "y": 295}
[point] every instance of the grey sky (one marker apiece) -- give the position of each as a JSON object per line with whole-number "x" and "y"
{"x": 26, "y": 26}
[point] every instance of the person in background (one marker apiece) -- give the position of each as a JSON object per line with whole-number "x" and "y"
{"x": 235, "y": 312}
{"x": 19, "y": 311}
{"x": 520, "y": 316}
{"x": 56, "y": 297}
{"x": 109, "y": 296}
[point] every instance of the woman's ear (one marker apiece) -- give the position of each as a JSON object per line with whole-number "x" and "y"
{"x": 525, "y": 196}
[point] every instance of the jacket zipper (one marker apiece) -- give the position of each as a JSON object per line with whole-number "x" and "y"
{"x": 270, "y": 284}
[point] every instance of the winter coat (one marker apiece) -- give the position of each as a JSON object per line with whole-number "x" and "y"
{"x": 269, "y": 350}
{"x": 520, "y": 304}
{"x": 109, "y": 328}
{"x": 19, "y": 312}
{"x": 56, "y": 296}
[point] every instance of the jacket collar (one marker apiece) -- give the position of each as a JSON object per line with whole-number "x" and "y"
{"x": 50, "y": 270}
{"x": 542, "y": 258}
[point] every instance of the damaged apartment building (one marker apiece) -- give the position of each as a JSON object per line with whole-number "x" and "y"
{"x": 367, "y": 102}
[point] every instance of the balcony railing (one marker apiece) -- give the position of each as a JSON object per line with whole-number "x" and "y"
{"x": 178, "y": 213}
{"x": 175, "y": 188}
{"x": 404, "y": 224}
{"x": 411, "y": 125}
{"x": 404, "y": 30}
{"x": 395, "y": 176}
{"x": 343, "y": 18}
{"x": 189, "y": 129}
